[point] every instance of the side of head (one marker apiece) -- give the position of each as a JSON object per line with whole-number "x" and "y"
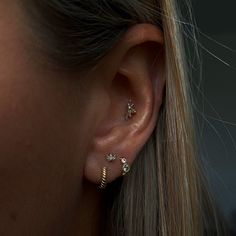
{"x": 71, "y": 69}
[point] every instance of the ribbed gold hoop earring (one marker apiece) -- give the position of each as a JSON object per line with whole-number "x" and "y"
{"x": 103, "y": 183}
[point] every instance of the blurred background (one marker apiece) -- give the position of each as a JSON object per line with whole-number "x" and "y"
{"x": 216, "y": 96}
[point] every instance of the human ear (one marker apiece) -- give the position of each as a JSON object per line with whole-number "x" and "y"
{"x": 133, "y": 69}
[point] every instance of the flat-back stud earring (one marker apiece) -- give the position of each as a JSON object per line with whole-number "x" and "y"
{"x": 125, "y": 166}
{"x": 111, "y": 157}
{"x": 103, "y": 183}
{"x": 131, "y": 110}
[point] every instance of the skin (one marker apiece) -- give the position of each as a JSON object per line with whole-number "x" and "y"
{"x": 57, "y": 127}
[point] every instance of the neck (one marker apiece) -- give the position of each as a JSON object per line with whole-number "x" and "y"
{"x": 89, "y": 216}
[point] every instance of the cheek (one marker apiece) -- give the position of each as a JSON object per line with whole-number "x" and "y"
{"x": 42, "y": 141}
{"x": 41, "y": 152}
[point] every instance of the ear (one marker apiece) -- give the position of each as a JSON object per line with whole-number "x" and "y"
{"x": 132, "y": 69}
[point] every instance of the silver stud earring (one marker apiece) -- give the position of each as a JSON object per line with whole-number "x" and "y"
{"x": 131, "y": 110}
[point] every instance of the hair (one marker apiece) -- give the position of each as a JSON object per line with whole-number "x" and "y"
{"x": 165, "y": 193}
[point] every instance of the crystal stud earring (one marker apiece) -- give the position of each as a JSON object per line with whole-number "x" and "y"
{"x": 111, "y": 157}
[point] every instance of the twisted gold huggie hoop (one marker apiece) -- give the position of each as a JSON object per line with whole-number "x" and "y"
{"x": 104, "y": 178}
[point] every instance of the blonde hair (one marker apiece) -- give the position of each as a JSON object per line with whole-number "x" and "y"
{"x": 165, "y": 192}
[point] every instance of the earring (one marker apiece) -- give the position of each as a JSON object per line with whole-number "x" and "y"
{"x": 131, "y": 110}
{"x": 111, "y": 157}
{"x": 125, "y": 166}
{"x": 103, "y": 183}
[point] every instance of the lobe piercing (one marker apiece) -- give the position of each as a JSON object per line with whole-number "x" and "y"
{"x": 125, "y": 166}
{"x": 111, "y": 157}
{"x": 103, "y": 183}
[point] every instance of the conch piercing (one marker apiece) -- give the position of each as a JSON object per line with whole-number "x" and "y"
{"x": 131, "y": 110}
{"x": 103, "y": 183}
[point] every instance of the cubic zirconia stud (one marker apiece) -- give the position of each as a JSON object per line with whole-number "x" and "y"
{"x": 111, "y": 157}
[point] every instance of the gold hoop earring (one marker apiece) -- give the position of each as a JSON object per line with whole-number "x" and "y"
{"x": 103, "y": 183}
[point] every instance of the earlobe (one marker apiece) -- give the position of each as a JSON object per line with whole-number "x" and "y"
{"x": 134, "y": 88}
